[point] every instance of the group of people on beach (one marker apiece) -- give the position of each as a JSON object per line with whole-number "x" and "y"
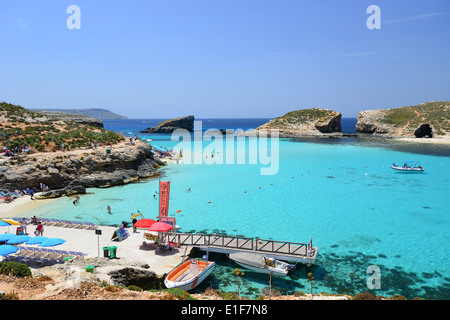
{"x": 159, "y": 153}
{"x": 8, "y": 196}
{"x": 22, "y": 230}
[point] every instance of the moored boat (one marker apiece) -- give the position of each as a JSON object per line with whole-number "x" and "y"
{"x": 260, "y": 263}
{"x": 408, "y": 166}
{"x": 189, "y": 274}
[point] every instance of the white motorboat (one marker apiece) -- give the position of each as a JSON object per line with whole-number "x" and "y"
{"x": 408, "y": 166}
{"x": 260, "y": 263}
{"x": 189, "y": 274}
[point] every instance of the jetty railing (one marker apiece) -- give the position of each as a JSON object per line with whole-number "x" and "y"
{"x": 244, "y": 244}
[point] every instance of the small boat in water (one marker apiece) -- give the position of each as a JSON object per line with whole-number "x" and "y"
{"x": 260, "y": 263}
{"x": 189, "y": 274}
{"x": 408, "y": 166}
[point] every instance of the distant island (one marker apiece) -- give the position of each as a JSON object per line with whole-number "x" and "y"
{"x": 96, "y": 113}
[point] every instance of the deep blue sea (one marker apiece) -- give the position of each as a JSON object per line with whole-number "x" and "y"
{"x": 341, "y": 193}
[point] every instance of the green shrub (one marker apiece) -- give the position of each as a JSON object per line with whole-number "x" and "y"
{"x": 134, "y": 288}
{"x": 15, "y": 269}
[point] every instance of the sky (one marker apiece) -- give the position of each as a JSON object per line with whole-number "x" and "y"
{"x": 224, "y": 58}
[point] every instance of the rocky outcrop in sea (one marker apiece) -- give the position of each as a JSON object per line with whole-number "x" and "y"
{"x": 313, "y": 122}
{"x": 171, "y": 125}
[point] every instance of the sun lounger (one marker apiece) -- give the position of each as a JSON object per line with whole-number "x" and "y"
{"x": 77, "y": 224}
{"x": 47, "y": 221}
{"x": 55, "y": 222}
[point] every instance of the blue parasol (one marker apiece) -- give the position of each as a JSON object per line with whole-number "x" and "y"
{"x": 36, "y": 240}
{"x": 4, "y": 224}
{"x": 6, "y": 236}
{"x": 51, "y": 242}
{"x": 18, "y": 239}
{"x": 7, "y": 249}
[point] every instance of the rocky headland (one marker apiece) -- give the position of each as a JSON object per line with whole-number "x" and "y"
{"x": 313, "y": 122}
{"x": 66, "y": 155}
{"x": 427, "y": 120}
{"x": 171, "y": 125}
{"x": 69, "y": 172}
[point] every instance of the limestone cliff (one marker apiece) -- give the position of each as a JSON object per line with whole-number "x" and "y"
{"x": 313, "y": 122}
{"x": 427, "y": 120}
{"x": 171, "y": 125}
{"x": 83, "y": 167}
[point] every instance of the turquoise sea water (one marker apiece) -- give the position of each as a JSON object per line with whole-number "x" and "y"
{"x": 340, "y": 192}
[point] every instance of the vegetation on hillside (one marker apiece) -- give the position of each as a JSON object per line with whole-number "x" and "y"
{"x": 436, "y": 114}
{"x": 23, "y": 128}
{"x": 300, "y": 117}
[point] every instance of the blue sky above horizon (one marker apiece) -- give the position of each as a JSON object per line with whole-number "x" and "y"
{"x": 224, "y": 58}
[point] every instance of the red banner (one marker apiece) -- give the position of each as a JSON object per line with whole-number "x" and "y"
{"x": 164, "y": 193}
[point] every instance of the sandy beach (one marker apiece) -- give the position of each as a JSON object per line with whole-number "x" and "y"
{"x": 132, "y": 250}
{"x": 443, "y": 141}
{"x": 20, "y": 206}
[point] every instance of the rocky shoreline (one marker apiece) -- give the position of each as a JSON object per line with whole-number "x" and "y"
{"x": 70, "y": 172}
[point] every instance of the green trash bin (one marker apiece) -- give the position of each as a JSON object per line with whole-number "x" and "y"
{"x": 112, "y": 252}
{"x": 89, "y": 269}
{"x": 106, "y": 252}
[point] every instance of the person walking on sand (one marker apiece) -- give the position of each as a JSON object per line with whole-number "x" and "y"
{"x": 134, "y": 221}
{"x": 31, "y": 194}
{"x": 24, "y": 225}
{"x": 40, "y": 229}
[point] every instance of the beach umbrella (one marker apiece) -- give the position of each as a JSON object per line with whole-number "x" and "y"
{"x": 6, "y": 236}
{"x": 36, "y": 240}
{"x": 11, "y": 221}
{"x": 7, "y": 249}
{"x": 18, "y": 239}
{"x": 4, "y": 224}
{"x": 160, "y": 227}
{"x": 51, "y": 242}
{"x": 144, "y": 223}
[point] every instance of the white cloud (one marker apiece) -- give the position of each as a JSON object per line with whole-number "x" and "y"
{"x": 17, "y": 22}
{"x": 358, "y": 54}
{"x": 414, "y": 18}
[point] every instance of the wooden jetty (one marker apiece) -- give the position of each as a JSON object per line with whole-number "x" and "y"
{"x": 281, "y": 250}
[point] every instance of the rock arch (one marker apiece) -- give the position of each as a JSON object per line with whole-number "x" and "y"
{"x": 424, "y": 131}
